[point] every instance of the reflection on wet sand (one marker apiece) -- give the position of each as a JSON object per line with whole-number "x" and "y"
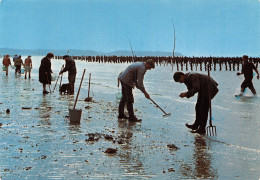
{"x": 130, "y": 158}
{"x": 200, "y": 165}
{"x": 44, "y": 111}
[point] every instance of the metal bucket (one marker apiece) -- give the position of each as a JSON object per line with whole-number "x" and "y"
{"x": 53, "y": 77}
{"x": 118, "y": 96}
{"x": 4, "y": 68}
{"x": 75, "y": 116}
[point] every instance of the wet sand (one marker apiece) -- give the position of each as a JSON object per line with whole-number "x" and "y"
{"x": 38, "y": 141}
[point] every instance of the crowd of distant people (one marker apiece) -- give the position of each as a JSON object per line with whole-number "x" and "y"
{"x": 18, "y": 63}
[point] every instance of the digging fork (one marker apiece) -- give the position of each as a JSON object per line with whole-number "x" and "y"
{"x": 210, "y": 129}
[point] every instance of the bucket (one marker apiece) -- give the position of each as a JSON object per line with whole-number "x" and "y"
{"x": 75, "y": 116}
{"x": 53, "y": 77}
{"x": 4, "y": 68}
{"x": 22, "y": 71}
{"x": 118, "y": 96}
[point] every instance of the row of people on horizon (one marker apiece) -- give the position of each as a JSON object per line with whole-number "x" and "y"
{"x": 133, "y": 76}
{"x": 18, "y": 63}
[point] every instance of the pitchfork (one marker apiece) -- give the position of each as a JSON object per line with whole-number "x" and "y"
{"x": 210, "y": 129}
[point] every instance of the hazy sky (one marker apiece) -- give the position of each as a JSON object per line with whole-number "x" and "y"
{"x": 203, "y": 27}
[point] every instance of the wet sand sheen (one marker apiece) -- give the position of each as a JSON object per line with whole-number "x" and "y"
{"x": 39, "y": 142}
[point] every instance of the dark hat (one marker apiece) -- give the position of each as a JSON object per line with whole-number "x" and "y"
{"x": 65, "y": 56}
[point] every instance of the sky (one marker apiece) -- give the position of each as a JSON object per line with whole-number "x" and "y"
{"x": 202, "y": 27}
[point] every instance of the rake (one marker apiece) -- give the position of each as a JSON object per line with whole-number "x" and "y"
{"x": 57, "y": 79}
{"x": 211, "y": 130}
{"x": 165, "y": 114}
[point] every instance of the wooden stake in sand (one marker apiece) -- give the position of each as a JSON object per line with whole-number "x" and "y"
{"x": 89, "y": 98}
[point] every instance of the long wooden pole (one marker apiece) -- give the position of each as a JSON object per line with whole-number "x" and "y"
{"x": 79, "y": 89}
{"x": 174, "y": 44}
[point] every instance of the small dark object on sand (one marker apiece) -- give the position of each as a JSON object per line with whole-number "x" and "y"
{"x": 171, "y": 170}
{"x": 87, "y": 107}
{"x": 172, "y": 147}
{"x": 26, "y": 108}
{"x": 111, "y": 151}
{"x": 108, "y": 137}
{"x": 8, "y": 111}
{"x": 88, "y": 99}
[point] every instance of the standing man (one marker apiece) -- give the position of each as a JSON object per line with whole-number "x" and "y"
{"x": 71, "y": 68}
{"x": 131, "y": 77}
{"x": 247, "y": 70}
{"x": 6, "y": 63}
{"x": 18, "y": 63}
{"x": 28, "y": 66}
{"x": 45, "y": 71}
{"x": 206, "y": 88}
{"x": 15, "y": 57}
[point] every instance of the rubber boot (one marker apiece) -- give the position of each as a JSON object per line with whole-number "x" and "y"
{"x": 130, "y": 110}
{"x": 121, "y": 109}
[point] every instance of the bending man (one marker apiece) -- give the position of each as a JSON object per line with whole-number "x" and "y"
{"x": 206, "y": 88}
{"x": 131, "y": 77}
{"x": 71, "y": 68}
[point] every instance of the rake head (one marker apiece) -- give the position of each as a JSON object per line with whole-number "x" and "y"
{"x": 212, "y": 130}
{"x": 167, "y": 115}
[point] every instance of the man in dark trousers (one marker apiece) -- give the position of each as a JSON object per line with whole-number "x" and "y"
{"x": 206, "y": 88}
{"x": 132, "y": 77}
{"x": 71, "y": 68}
{"x": 247, "y": 70}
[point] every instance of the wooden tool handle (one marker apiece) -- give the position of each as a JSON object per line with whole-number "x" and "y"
{"x": 79, "y": 89}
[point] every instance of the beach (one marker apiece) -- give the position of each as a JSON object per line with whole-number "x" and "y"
{"x": 39, "y": 142}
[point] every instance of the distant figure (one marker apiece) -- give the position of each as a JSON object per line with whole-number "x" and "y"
{"x": 71, "y": 68}
{"x": 206, "y": 88}
{"x": 247, "y": 70}
{"x": 6, "y": 63}
{"x": 45, "y": 71}
{"x": 129, "y": 78}
{"x": 18, "y": 63}
{"x": 28, "y": 66}
{"x": 15, "y": 57}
